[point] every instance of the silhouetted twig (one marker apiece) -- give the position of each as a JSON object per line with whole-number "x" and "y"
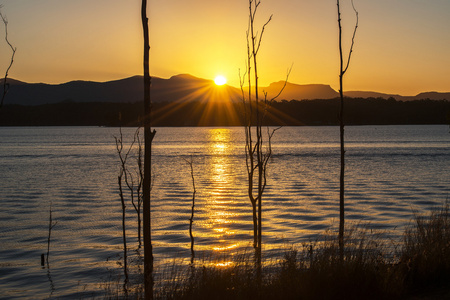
{"x": 191, "y": 219}
{"x": 51, "y": 224}
{"x": 13, "y": 49}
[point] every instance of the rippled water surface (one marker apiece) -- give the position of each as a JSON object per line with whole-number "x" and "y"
{"x": 390, "y": 171}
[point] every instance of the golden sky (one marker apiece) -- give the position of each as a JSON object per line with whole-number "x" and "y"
{"x": 402, "y": 46}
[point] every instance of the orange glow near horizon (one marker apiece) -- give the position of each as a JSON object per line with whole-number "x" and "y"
{"x": 398, "y": 55}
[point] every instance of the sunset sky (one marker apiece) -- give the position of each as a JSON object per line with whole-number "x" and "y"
{"x": 402, "y": 46}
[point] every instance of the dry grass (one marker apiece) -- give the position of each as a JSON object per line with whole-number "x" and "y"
{"x": 425, "y": 257}
{"x": 419, "y": 269}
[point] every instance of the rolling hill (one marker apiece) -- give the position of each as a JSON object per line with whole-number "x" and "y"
{"x": 178, "y": 88}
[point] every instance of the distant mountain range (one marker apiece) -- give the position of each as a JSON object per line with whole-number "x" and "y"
{"x": 179, "y": 88}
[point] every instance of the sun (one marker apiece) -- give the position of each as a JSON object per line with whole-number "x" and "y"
{"x": 220, "y": 80}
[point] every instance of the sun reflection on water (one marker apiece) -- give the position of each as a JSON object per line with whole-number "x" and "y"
{"x": 223, "y": 230}
{"x": 224, "y": 264}
{"x": 226, "y": 247}
{"x": 220, "y": 196}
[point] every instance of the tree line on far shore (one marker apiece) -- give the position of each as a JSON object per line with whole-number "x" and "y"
{"x": 359, "y": 111}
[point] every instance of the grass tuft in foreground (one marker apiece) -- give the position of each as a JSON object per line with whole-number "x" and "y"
{"x": 418, "y": 269}
{"x": 425, "y": 257}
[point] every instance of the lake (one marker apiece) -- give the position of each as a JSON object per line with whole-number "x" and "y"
{"x": 391, "y": 171}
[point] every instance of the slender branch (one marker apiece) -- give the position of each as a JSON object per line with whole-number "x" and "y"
{"x": 123, "y": 173}
{"x": 191, "y": 219}
{"x": 353, "y": 38}
{"x": 288, "y": 73}
{"x": 124, "y": 236}
{"x": 279, "y": 93}
{"x": 268, "y": 155}
{"x": 262, "y": 32}
{"x": 13, "y": 49}
{"x": 51, "y": 224}
{"x": 246, "y": 125}
{"x": 140, "y": 183}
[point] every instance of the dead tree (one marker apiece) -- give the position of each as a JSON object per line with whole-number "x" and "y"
{"x": 123, "y": 176}
{"x": 342, "y": 71}
{"x": 13, "y": 49}
{"x": 257, "y": 150}
{"x": 132, "y": 178}
{"x": 148, "y": 139}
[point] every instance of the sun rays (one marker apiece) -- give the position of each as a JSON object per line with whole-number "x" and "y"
{"x": 206, "y": 102}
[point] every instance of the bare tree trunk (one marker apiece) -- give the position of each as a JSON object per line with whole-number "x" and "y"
{"x": 148, "y": 138}
{"x": 342, "y": 71}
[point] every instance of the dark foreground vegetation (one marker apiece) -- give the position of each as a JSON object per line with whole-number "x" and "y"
{"x": 416, "y": 268}
{"x": 359, "y": 111}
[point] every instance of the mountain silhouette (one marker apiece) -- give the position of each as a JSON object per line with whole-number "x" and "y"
{"x": 367, "y": 94}
{"x": 300, "y": 92}
{"x": 178, "y": 88}
{"x": 434, "y": 96}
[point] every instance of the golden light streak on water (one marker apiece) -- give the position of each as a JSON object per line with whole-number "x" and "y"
{"x": 222, "y": 230}
{"x": 220, "y": 212}
{"x": 227, "y": 247}
{"x": 224, "y": 264}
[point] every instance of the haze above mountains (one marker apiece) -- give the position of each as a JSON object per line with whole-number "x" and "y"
{"x": 178, "y": 88}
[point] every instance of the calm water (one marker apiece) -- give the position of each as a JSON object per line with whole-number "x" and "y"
{"x": 391, "y": 170}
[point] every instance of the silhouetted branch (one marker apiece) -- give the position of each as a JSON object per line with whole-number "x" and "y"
{"x": 13, "y": 49}
{"x": 268, "y": 154}
{"x": 262, "y": 32}
{"x": 353, "y": 38}
{"x": 277, "y": 95}
{"x": 51, "y": 224}
{"x": 191, "y": 219}
{"x": 288, "y": 73}
{"x": 140, "y": 173}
